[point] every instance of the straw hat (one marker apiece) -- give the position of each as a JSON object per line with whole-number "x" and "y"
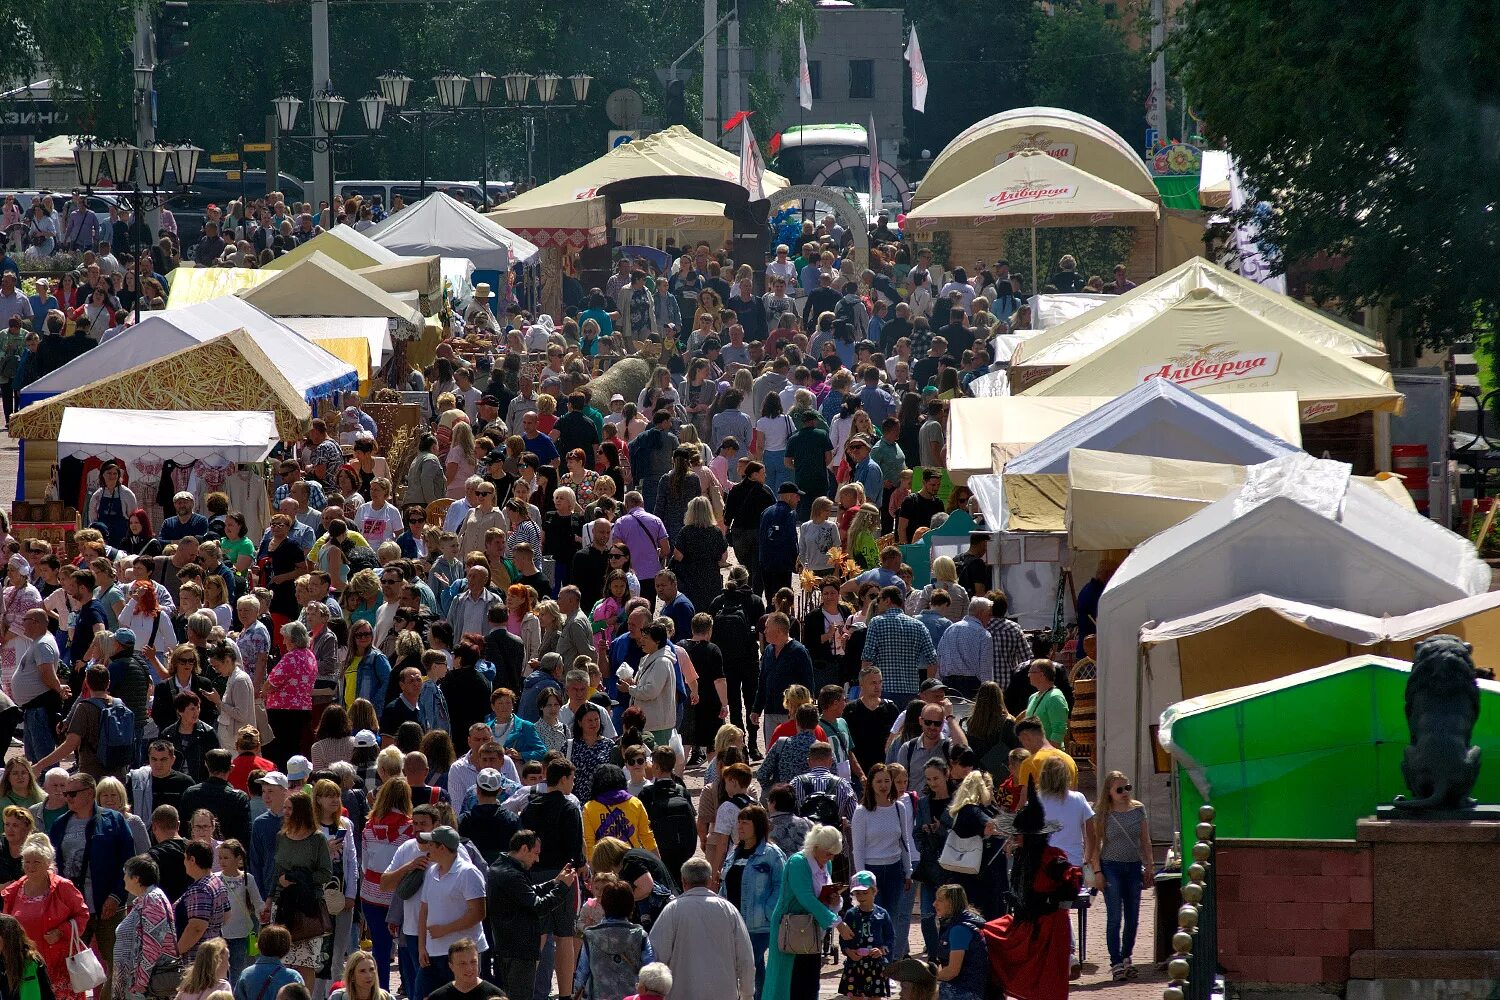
{"x": 482, "y": 290}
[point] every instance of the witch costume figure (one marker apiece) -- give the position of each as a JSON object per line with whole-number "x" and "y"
{"x": 1029, "y": 947}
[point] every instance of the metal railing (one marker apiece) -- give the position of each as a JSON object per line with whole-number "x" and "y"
{"x": 1194, "y": 967}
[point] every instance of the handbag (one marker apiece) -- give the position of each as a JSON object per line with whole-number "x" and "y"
{"x": 308, "y": 926}
{"x": 964, "y": 855}
{"x": 85, "y": 972}
{"x": 411, "y": 883}
{"x": 166, "y": 977}
{"x": 333, "y": 897}
{"x": 799, "y": 934}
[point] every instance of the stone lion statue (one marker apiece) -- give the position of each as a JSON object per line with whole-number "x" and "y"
{"x": 1441, "y": 765}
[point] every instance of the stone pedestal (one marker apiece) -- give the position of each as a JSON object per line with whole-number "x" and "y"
{"x": 1436, "y": 931}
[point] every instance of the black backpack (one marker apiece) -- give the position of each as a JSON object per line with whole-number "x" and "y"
{"x": 732, "y": 631}
{"x": 672, "y": 818}
{"x": 822, "y": 808}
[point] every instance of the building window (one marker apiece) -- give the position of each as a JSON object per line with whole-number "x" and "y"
{"x": 861, "y": 79}
{"x": 815, "y": 76}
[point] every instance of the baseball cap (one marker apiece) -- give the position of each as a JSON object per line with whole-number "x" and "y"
{"x": 494, "y": 458}
{"x": 862, "y": 881}
{"x": 274, "y": 778}
{"x": 617, "y": 398}
{"x": 790, "y": 488}
{"x": 365, "y": 738}
{"x": 488, "y": 400}
{"x": 445, "y": 835}
{"x": 298, "y": 768}
{"x": 932, "y": 684}
{"x": 125, "y": 636}
{"x": 489, "y": 780}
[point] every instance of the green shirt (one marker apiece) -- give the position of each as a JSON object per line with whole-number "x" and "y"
{"x": 808, "y": 449}
{"x": 890, "y": 458}
{"x": 1051, "y": 708}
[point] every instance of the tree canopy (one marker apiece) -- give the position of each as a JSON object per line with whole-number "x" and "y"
{"x": 1376, "y": 138}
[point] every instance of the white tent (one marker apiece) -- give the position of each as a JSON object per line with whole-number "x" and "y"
{"x": 344, "y": 244}
{"x": 1053, "y": 310}
{"x": 1162, "y": 419}
{"x": 312, "y": 371}
{"x": 220, "y": 437}
{"x": 372, "y": 328}
{"x": 440, "y": 225}
{"x": 1296, "y": 530}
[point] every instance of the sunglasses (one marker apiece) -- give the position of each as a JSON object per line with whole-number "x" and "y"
{"x": 1123, "y": 788}
{"x": 932, "y": 723}
{"x": 617, "y": 555}
{"x": 73, "y": 793}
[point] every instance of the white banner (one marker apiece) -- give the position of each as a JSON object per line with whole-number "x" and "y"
{"x": 874, "y": 143}
{"x": 752, "y": 167}
{"x": 804, "y": 75}
{"x": 1253, "y": 263}
{"x": 918, "y": 73}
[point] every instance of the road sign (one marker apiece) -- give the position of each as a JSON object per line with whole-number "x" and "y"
{"x": 1151, "y": 136}
{"x": 623, "y": 107}
{"x": 619, "y": 137}
{"x": 224, "y": 158}
{"x": 257, "y": 147}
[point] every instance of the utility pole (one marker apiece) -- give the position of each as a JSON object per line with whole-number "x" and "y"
{"x": 711, "y": 70}
{"x": 145, "y": 104}
{"x": 1158, "y": 115}
{"x": 321, "y": 81}
{"x": 736, "y": 102}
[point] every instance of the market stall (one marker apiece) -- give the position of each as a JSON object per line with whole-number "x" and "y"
{"x": 321, "y": 286}
{"x": 1298, "y": 530}
{"x": 440, "y": 225}
{"x": 188, "y": 285}
{"x": 343, "y": 243}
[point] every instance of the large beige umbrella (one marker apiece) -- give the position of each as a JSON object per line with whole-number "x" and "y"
{"x": 1032, "y": 189}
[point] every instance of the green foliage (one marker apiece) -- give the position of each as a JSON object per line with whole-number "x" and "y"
{"x": 1079, "y": 61}
{"x": 1372, "y": 128}
{"x": 1096, "y": 248}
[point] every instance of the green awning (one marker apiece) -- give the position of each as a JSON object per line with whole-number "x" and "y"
{"x": 1179, "y": 192}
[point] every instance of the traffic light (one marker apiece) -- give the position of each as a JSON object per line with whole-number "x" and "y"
{"x": 676, "y": 102}
{"x": 171, "y": 29}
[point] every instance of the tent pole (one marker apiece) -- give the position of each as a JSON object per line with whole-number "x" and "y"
{"x": 1034, "y": 290}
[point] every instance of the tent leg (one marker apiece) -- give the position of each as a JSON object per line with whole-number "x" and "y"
{"x": 1034, "y": 289}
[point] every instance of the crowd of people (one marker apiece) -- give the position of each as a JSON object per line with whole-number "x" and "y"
{"x": 439, "y": 719}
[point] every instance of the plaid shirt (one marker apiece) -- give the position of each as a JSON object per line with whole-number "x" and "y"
{"x": 1012, "y": 650}
{"x": 966, "y": 650}
{"x": 823, "y": 780}
{"x": 900, "y": 646}
{"x": 207, "y": 900}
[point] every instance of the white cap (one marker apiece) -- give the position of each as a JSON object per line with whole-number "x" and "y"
{"x": 274, "y": 778}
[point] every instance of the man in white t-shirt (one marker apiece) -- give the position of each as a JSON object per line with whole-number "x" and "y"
{"x": 377, "y": 519}
{"x": 36, "y": 674}
{"x": 452, "y": 907}
{"x": 408, "y": 858}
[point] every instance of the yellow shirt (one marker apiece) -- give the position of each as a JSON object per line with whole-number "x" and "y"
{"x": 1032, "y": 768}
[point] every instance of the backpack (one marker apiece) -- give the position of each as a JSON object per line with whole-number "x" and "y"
{"x": 778, "y": 537}
{"x": 116, "y": 734}
{"x": 914, "y": 746}
{"x": 849, "y": 310}
{"x": 732, "y": 631}
{"x": 822, "y": 807}
{"x": 672, "y": 818}
{"x": 361, "y": 557}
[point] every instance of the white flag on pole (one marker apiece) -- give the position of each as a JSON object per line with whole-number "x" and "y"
{"x": 874, "y": 143}
{"x": 1252, "y": 259}
{"x": 918, "y": 73}
{"x": 804, "y": 75}
{"x": 752, "y": 167}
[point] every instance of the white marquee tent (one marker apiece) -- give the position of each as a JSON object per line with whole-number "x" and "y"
{"x": 220, "y": 437}
{"x": 1296, "y": 530}
{"x": 311, "y": 370}
{"x": 440, "y": 225}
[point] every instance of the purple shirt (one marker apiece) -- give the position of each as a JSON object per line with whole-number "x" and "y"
{"x": 641, "y": 532}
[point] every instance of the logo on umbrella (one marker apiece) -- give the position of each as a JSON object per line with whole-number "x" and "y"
{"x": 1030, "y": 190}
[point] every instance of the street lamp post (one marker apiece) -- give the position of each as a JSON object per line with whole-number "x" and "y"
{"x": 91, "y": 157}
{"x": 328, "y": 112}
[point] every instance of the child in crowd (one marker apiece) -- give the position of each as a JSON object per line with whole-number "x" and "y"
{"x": 1009, "y": 793}
{"x": 867, "y": 952}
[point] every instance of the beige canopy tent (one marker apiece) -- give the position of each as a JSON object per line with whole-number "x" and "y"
{"x": 983, "y": 434}
{"x": 1081, "y": 337}
{"x": 568, "y": 211}
{"x": 343, "y": 243}
{"x": 1118, "y": 501}
{"x": 1203, "y": 653}
{"x": 422, "y": 275}
{"x": 321, "y": 286}
{"x": 1213, "y": 179}
{"x": 1032, "y": 189}
{"x": 1206, "y": 343}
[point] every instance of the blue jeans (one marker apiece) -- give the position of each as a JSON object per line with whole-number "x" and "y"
{"x": 929, "y": 916}
{"x": 37, "y": 733}
{"x": 239, "y": 956}
{"x": 890, "y": 890}
{"x": 901, "y": 922}
{"x": 381, "y": 944}
{"x": 1122, "y": 898}
{"x": 408, "y": 961}
{"x": 436, "y": 975}
{"x": 776, "y": 470}
{"x": 759, "y": 942}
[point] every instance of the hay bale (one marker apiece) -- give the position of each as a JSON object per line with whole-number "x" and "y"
{"x": 627, "y": 376}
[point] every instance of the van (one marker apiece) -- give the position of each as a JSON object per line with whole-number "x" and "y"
{"x": 412, "y": 192}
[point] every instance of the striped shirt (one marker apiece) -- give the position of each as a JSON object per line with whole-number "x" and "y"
{"x": 966, "y": 650}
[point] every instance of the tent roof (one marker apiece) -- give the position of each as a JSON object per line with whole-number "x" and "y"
{"x": 244, "y": 378}
{"x": 227, "y": 436}
{"x": 423, "y": 275}
{"x": 1083, "y": 336}
{"x": 668, "y": 213}
{"x": 343, "y": 243}
{"x": 1207, "y": 341}
{"x": 571, "y": 206}
{"x": 1075, "y": 138}
{"x": 1118, "y": 501}
{"x": 985, "y": 433}
{"x": 310, "y": 370}
{"x": 320, "y": 286}
{"x": 440, "y": 225}
{"x": 188, "y": 285}
{"x": 1273, "y": 517}
{"x": 370, "y": 328}
{"x": 1349, "y": 626}
{"x": 1162, "y": 419}
{"x": 1048, "y": 311}
{"x": 1213, "y": 179}
{"x": 1032, "y": 188}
